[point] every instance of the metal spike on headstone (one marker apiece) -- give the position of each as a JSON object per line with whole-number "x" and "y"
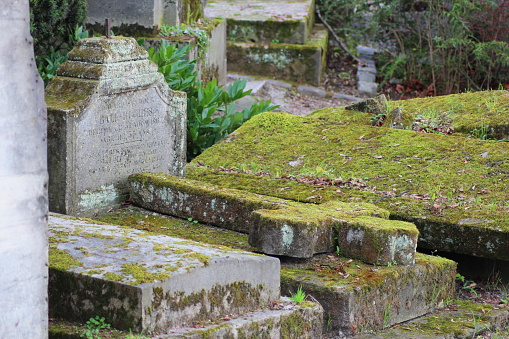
{"x": 107, "y": 28}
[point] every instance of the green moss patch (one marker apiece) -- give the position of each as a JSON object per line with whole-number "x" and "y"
{"x": 459, "y": 319}
{"x": 452, "y": 187}
{"x": 174, "y": 227}
{"x": 467, "y": 113}
{"x": 61, "y": 260}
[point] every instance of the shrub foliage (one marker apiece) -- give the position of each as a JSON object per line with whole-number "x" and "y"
{"x": 451, "y": 45}
{"x": 53, "y": 22}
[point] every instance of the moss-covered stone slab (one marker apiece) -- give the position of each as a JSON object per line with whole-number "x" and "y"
{"x": 285, "y": 319}
{"x": 476, "y": 114}
{"x": 281, "y": 227}
{"x": 357, "y": 297}
{"x": 461, "y": 319}
{"x": 453, "y": 187}
{"x": 265, "y": 21}
{"x": 207, "y": 203}
{"x": 293, "y": 62}
{"x": 145, "y": 281}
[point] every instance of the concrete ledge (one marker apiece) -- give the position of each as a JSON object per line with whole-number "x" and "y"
{"x": 359, "y": 297}
{"x": 281, "y": 227}
{"x": 144, "y": 281}
{"x": 288, "y": 320}
{"x": 263, "y": 21}
{"x": 291, "y": 62}
{"x": 226, "y": 208}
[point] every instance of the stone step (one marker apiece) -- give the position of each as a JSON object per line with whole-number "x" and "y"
{"x": 358, "y": 298}
{"x": 151, "y": 282}
{"x": 285, "y": 61}
{"x": 282, "y": 227}
{"x": 265, "y": 21}
{"x": 283, "y": 319}
{"x": 460, "y": 319}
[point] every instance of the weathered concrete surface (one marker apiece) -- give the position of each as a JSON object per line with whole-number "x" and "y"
{"x": 214, "y": 64}
{"x": 110, "y": 113}
{"x": 23, "y": 181}
{"x": 293, "y": 62}
{"x": 358, "y": 297}
{"x": 282, "y": 227}
{"x": 460, "y": 320}
{"x": 145, "y": 281}
{"x": 263, "y": 21}
{"x": 284, "y": 320}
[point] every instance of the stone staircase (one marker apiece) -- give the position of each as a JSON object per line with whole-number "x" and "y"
{"x": 388, "y": 284}
{"x": 273, "y": 38}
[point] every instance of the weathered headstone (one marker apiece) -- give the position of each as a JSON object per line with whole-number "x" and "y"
{"x": 23, "y": 181}
{"x": 110, "y": 114}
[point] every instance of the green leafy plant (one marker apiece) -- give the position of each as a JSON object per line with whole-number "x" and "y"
{"x": 178, "y": 72}
{"x": 48, "y": 65}
{"x": 467, "y": 284}
{"x": 94, "y": 326}
{"x": 387, "y": 316}
{"x": 299, "y": 296}
{"x": 192, "y": 220}
{"x": 481, "y": 133}
{"x": 392, "y": 263}
{"x": 211, "y": 113}
{"x": 183, "y": 30}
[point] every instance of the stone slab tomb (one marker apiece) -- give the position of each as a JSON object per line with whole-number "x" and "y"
{"x": 282, "y": 227}
{"x": 150, "y": 282}
{"x": 110, "y": 114}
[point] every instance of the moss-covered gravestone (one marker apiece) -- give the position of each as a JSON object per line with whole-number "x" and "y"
{"x": 110, "y": 114}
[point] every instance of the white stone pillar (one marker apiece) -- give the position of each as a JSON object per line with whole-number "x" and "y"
{"x": 23, "y": 181}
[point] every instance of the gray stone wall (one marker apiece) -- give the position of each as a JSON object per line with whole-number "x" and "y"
{"x": 23, "y": 181}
